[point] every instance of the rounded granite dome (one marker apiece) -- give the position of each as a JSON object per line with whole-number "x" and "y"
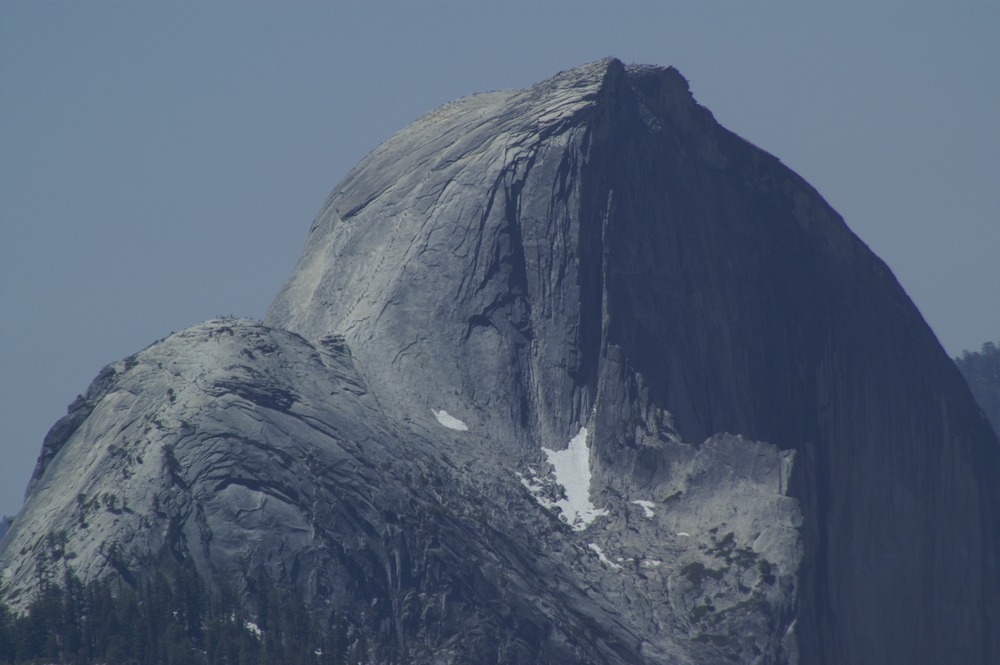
{"x": 567, "y": 374}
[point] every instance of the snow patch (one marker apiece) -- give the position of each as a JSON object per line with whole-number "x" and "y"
{"x": 450, "y": 421}
{"x": 684, "y": 533}
{"x": 603, "y": 559}
{"x": 652, "y": 563}
{"x": 647, "y": 507}
{"x": 572, "y": 469}
{"x": 253, "y": 629}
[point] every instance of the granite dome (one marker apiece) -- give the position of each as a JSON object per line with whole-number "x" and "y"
{"x": 564, "y": 374}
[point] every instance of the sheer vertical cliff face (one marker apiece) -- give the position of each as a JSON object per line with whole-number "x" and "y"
{"x": 599, "y": 242}
{"x": 565, "y": 374}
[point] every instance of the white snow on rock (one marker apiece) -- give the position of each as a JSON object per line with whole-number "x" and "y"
{"x": 647, "y": 507}
{"x": 450, "y": 421}
{"x": 684, "y": 534}
{"x": 253, "y": 629}
{"x": 603, "y": 559}
{"x": 572, "y": 469}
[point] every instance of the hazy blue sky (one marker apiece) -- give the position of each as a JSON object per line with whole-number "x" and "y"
{"x": 161, "y": 162}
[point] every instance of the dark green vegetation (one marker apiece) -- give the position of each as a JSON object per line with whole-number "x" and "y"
{"x": 982, "y": 372}
{"x": 174, "y": 622}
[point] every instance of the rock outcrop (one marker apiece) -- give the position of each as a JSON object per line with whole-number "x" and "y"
{"x": 564, "y": 374}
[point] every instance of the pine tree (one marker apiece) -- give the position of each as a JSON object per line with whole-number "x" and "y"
{"x": 171, "y": 622}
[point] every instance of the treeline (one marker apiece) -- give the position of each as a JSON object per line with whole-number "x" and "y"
{"x": 177, "y": 622}
{"x": 982, "y": 372}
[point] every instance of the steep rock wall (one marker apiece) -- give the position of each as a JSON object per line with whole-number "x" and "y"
{"x": 599, "y": 243}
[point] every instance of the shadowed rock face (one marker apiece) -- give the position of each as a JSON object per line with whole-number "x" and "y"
{"x": 773, "y": 461}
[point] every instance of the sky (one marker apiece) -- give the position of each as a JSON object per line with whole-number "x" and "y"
{"x": 161, "y": 162}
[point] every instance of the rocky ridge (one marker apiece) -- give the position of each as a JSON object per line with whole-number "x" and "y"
{"x": 246, "y": 449}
